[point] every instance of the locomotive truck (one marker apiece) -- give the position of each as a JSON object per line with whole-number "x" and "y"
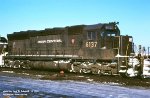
{"x": 93, "y": 49}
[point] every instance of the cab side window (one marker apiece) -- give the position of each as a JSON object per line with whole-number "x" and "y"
{"x": 91, "y": 35}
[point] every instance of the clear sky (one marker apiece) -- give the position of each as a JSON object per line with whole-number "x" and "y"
{"x": 21, "y": 15}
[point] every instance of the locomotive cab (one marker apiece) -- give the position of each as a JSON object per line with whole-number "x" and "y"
{"x": 102, "y": 43}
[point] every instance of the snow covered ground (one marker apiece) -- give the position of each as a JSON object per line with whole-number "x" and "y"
{"x": 36, "y": 88}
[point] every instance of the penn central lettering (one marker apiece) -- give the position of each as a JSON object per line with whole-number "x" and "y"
{"x": 50, "y": 41}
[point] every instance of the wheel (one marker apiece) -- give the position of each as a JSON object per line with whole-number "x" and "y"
{"x": 94, "y": 71}
{"x": 123, "y": 75}
{"x": 84, "y": 70}
{"x": 111, "y": 73}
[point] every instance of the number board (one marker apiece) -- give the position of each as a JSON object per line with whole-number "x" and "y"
{"x": 91, "y": 44}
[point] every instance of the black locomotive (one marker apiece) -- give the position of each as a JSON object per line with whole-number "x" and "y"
{"x": 79, "y": 48}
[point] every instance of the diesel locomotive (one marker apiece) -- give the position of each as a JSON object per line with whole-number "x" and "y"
{"x": 93, "y": 49}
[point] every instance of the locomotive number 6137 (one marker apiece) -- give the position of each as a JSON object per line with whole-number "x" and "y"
{"x": 91, "y": 44}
